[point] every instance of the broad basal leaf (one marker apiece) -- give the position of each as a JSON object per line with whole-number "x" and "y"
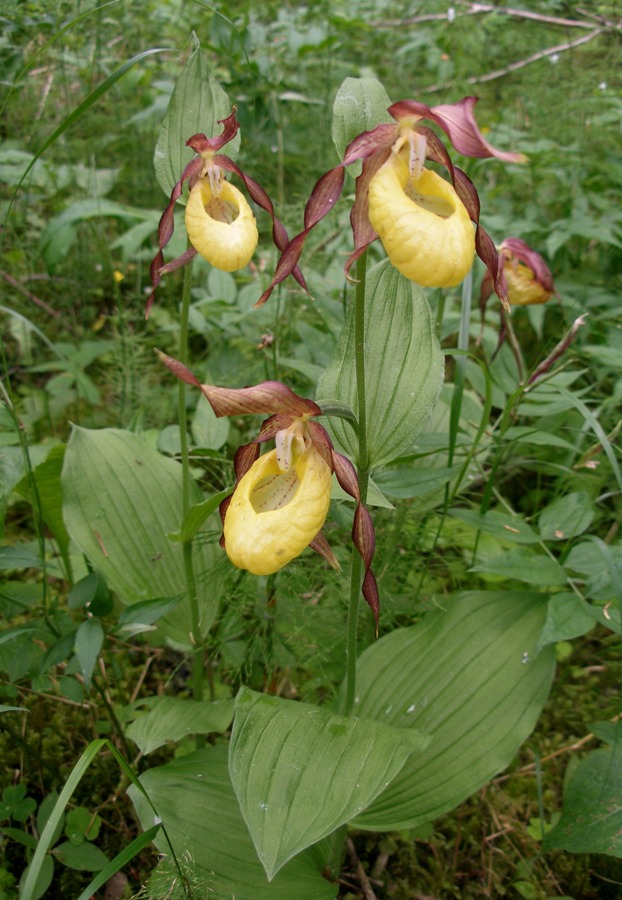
{"x": 469, "y": 676}
{"x": 88, "y": 643}
{"x": 498, "y": 523}
{"x": 521, "y": 565}
{"x": 404, "y": 367}
{"x": 172, "y": 718}
{"x": 568, "y": 617}
{"x": 591, "y": 820}
{"x": 47, "y": 479}
{"x": 198, "y": 808}
{"x": 300, "y": 771}
{"x": 121, "y": 500}
{"x": 566, "y": 517}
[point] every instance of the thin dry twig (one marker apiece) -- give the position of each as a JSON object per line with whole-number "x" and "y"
{"x": 519, "y": 64}
{"x": 530, "y": 767}
{"x": 81, "y": 704}
{"x": 360, "y": 872}
{"x": 142, "y": 676}
{"x": 26, "y": 293}
{"x": 476, "y": 9}
{"x": 541, "y": 54}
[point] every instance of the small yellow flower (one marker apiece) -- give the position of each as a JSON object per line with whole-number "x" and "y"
{"x": 275, "y": 512}
{"x": 422, "y": 223}
{"x": 221, "y": 225}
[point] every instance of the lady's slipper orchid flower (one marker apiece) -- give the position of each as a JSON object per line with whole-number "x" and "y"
{"x": 281, "y": 499}
{"x": 220, "y": 223}
{"x": 423, "y": 222}
{"x": 527, "y": 277}
{"x": 527, "y": 281}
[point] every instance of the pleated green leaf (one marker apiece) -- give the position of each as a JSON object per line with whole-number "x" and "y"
{"x": 299, "y": 771}
{"x": 196, "y": 803}
{"x": 88, "y": 643}
{"x": 404, "y": 367}
{"x": 520, "y": 565}
{"x": 591, "y": 820}
{"x": 499, "y": 523}
{"x": 469, "y": 676}
{"x": 196, "y": 105}
{"x": 121, "y": 500}
{"x": 568, "y": 617}
{"x": 47, "y": 479}
{"x": 172, "y": 718}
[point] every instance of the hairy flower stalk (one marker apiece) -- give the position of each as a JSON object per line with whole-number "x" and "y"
{"x": 423, "y": 221}
{"x": 281, "y": 499}
{"x": 219, "y": 221}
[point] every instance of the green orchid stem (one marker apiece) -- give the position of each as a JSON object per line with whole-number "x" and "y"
{"x": 198, "y": 662}
{"x": 356, "y": 570}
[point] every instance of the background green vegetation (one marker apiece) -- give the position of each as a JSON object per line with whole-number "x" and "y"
{"x": 78, "y": 234}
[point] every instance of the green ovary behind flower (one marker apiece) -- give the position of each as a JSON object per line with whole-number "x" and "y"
{"x": 274, "y": 515}
{"x": 422, "y": 223}
{"x": 222, "y": 229}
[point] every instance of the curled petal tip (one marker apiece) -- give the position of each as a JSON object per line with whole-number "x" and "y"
{"x": 177, "y": 368}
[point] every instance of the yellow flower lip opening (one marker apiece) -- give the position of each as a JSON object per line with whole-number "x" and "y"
{"x": 274, "y": 513}
{"x": 422, "y": 223}
{"x": 274, "y": 491}
{"x": 523, "y": 287}
{"x": 221, "y": 227}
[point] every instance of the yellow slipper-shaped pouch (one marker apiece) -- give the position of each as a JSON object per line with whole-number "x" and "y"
{"x": 523, "y": 289}
{"x": 274, "y": 515}
{"x": 222, "y": 229}
{"x": 422, "y": 223}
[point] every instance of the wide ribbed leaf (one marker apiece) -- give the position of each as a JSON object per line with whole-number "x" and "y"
{"x": 591, "y": 820}
{"x": 404, "y": 367}
{"x": 300, "y": 771}
{"x": 197, "y": 805}
{"x": 121, "y": 501}
{"x": 196, "y": 105}
{"x": 172, "y": 718}
{"x": 469, "y": 676}
{"x": 46, "y": 476}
